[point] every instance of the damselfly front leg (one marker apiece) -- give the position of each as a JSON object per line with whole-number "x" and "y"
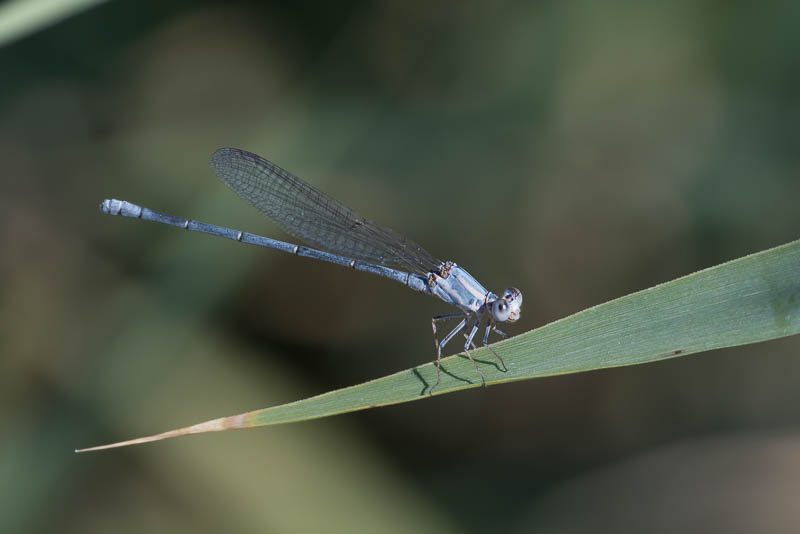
{"x": 489, "y": 327}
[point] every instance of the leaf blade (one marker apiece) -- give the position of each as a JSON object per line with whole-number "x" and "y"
{"x": 751, "y": 299}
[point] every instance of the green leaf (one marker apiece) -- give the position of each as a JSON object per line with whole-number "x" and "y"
{"x": 747, "y": 300}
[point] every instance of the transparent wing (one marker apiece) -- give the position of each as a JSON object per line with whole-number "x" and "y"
{"x": 313, "y": 216}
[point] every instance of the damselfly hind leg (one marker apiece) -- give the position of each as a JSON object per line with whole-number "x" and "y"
{"x": 440, "y": 346}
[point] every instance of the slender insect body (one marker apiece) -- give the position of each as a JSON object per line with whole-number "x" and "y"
{"x": 348, "y": 240}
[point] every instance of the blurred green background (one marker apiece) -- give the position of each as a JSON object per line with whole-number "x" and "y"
{"x": 577, "y": 150}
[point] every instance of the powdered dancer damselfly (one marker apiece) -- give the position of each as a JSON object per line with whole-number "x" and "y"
{"x": 350, "y": 241}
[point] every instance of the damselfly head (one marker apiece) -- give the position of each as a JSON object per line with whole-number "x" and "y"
{"x": 508, "y": 307}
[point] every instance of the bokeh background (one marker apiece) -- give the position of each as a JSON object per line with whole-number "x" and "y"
{"x": 578, "y": 150}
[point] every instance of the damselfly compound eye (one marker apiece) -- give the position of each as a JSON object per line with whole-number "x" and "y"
{"x": 500, "y": 310}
